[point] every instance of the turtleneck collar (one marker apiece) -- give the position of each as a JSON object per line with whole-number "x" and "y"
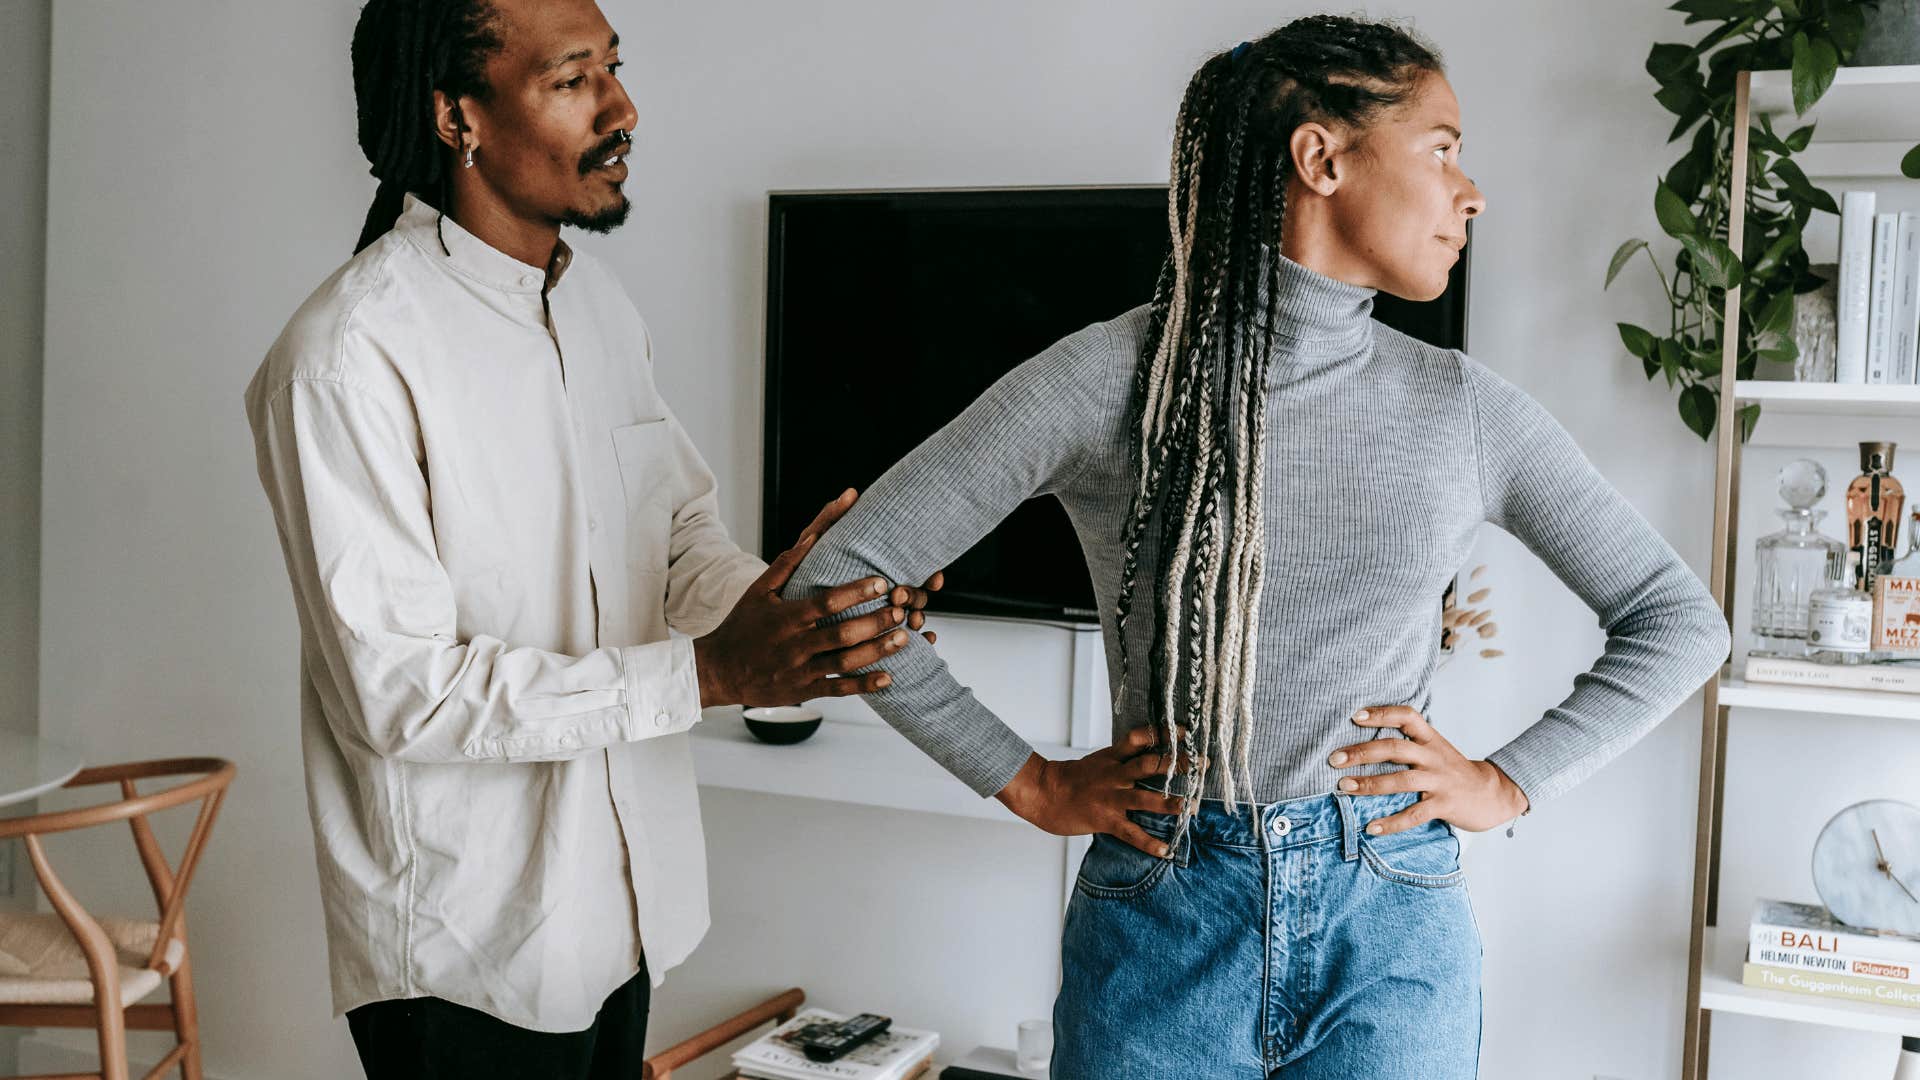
{"x": 1321, "y": 318}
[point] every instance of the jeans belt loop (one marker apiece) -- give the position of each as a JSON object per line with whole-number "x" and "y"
{"x": 1349, "y": 828}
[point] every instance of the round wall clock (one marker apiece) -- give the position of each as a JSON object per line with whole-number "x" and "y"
{"x": 1866, "y": 866}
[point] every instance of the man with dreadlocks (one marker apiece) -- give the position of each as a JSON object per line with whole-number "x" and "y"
{"x": 1271, "y": 490}
{"x": 514, "y": 591}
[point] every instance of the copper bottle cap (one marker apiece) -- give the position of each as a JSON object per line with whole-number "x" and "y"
{"x": 1876, "y": 457}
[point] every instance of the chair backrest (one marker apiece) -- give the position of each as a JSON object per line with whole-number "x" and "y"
{"x": 169, "y": 883}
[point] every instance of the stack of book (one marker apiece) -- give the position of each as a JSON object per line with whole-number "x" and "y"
{"x": 1877, "y": 299}
{"x": 895, "y": 1054}
{"x": 1900, "y": 677}
{"x": 1801, "y": 949}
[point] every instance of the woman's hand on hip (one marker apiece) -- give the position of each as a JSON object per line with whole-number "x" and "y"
{"x": 1474, "y": 795}
{"x": 1094, "y": 793}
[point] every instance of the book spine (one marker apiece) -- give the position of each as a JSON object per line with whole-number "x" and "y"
{"x": 1906, "y": 299}
{"x": 1845, "y": 987}
{"x": 1854, "y": 288}
{"x": 1835, "y": 676}
{"x": 1886, "y": 230}
{"x": 1833, "y": 943}
{"x": 1898, "y": 971}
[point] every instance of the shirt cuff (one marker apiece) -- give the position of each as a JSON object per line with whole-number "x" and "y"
{"x": 663, "y": 687}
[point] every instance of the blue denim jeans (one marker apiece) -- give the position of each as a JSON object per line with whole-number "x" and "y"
{"x": 1277, "y": 943}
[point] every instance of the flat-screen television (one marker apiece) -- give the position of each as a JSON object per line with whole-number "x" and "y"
{"x": 888, "y": 312}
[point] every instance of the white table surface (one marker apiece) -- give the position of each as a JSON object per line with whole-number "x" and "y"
{"x": 31, "y": 766}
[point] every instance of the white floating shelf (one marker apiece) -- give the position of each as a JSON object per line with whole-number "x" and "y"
{"x": 1722, "y": 991}
{"x": 1864, "y": 104}
{"x": 1818, "y": 699}
{"x": 866, "y": 764}
{"x": 1829, "y": 399}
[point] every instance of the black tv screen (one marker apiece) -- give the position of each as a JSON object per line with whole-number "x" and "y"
{"x": 897, "y": 309}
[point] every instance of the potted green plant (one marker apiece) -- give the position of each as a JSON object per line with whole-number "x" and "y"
{"x": 1813, "y": 38}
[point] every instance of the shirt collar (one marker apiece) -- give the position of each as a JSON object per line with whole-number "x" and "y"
{"x": 442, "y": 237}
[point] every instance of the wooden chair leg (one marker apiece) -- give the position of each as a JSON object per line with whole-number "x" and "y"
{"x": 186, "y": 1019}
{"x": 112, "y": 1032}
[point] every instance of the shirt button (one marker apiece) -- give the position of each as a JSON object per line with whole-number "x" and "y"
{"x": 529, "y": 280}
{"x": 593, "y": 523}
{"x": 1281, "y": 827}
{"x": 663, "y": 720}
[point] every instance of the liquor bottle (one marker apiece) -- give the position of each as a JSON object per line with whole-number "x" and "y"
{"x": 1840, "y": 626}
{"x": 1874, "y": 502}
{"x": 1794, "y": 563}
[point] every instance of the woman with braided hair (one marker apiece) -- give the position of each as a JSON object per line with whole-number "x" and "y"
{"x": 1272, "y": 490}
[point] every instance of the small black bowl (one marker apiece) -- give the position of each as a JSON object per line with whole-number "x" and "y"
{"x": 782, "y": 724}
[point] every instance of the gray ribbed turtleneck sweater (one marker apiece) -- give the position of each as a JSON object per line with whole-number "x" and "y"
{"x": 1384, "y": 455}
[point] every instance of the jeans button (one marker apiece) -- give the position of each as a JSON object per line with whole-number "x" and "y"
{"x": 1281, "y": 827}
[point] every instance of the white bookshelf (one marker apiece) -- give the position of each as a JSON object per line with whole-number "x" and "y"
{"x": 1864, "y": 104}
{"x": 1722, "y": 991}
{"x": 1865, "y": 122}
{"x": 1830, "y": 399}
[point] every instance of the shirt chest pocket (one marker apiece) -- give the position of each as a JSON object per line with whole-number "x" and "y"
{"x": 644, "y": 452}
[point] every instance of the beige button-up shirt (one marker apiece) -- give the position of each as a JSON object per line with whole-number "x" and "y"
{"x": 501, "y": 544}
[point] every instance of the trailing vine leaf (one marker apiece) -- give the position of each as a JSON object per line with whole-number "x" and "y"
{"x": 1666, "y": 61}
{"x": 1910, "y": 165}
{"x": 1714, "y": 261}
{"x": 1846, "y": 23}
{"x": 1814, "y": 62}
{"x": 1802, "y": 188}
{"x": 1777, "y": 317}
{"x": 1705, "y": 10}
{"x": 1638, "y": 341}
{"x": 1673, "y": 359}
{"x": 1699, "y": 408}
{"x": 1672, "y": 211}
{"x": 1776, "y": 251}
{"x": 1620, "y": 258}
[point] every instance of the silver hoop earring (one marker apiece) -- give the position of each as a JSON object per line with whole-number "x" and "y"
{"x": 469, "y": 162}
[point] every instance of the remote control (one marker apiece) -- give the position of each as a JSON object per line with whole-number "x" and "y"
{"x": 829, "y": 1042}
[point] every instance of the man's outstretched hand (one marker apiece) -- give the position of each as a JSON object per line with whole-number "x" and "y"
{"x": 770, "y": 651}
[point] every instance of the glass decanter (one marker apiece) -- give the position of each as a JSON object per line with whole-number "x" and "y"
{"x": 1794, "y": 563}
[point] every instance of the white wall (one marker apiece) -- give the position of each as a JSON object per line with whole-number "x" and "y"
{"x": 204, "y": 179}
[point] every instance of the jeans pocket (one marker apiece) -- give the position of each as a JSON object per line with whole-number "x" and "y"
{"x": 1116, "y": 870}
{"x": 1427, "y": 856}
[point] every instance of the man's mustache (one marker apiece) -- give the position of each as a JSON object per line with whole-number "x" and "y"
{"x": 614, "y": 144}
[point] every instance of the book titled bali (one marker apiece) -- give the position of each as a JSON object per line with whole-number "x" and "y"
{"x": 1812, "y": 929}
